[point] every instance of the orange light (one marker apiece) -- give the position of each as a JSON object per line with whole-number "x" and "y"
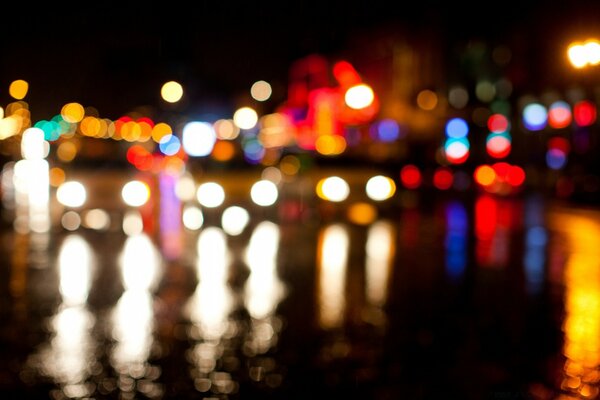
{"x": 484, "y": 175}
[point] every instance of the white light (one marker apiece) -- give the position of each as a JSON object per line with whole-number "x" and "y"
{"x": 380, "y": 188}
{"x": 245, "y": 118}
{"x": 185, "y": 188}
{"x": 70, "y": 221}
{"x": 33, "y": 145}
{"x": 75, "y": 265}
{"x": 97, "y": 219}
{"x": 198, "y": 138}
{"x": 210, "y": 194}
{"x": 359, "y": 96}
{"x": 140, "y": 263}
{"x": 333, "y": 188}
{"x": 71, "y": 194}
{"x": 261, "y": 91}
{"x": 192, "y": 218}
{"x": 133, "y": 223}
{"x": 135, "y": 193}
{"x": 264, "y": 193}
{"x": 234, "y": 220}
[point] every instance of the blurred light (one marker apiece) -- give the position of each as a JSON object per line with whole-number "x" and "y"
{"x": 161, "y": 130}
{"x": 33, "y": 145}
{"x": 226, "y": 129}
{"x": 330, "y": 145}
{"x": 362, "y": 213}
{"x": 289, "y": 165}
{"x": 388, "y": 130}
{"x": 458, "y": 97}
{"x": 234, "y": 220}
{"x": 66, "y": 151}
{"x": 556, "y": 159}
{"x": 171, "y": 92}
{"x": 18, "y": 89}
{"x": 582, "y": 54}
{"x": 132, "y": 223}
{"x": 272, "y": 174}
{"x": 410, "y": 176}
{"x": 140, "y": 263}
{"x": 9, "y": 126}
{"x": 71, "y": 194}
{"x": 485, "y": 91}
{"x": 380, "y": 249}
{"x": 261, "y": 91}
{"x": 210, "y": 194}
{"x": 75, "y": 270}
{"x": 504, "y": 89}
{"x": 559, "y": 115}
{"x": 72, "y": 112}
{"x": 484, "y": 175}
{"x": 345, "y": 74}
{"x": 264, "y": 193}
{"x": 135, "y": 193}
{"x": 223, "y": 151}
{"x": 198, "y": 138}
{"x": 57, "y": 176}
{"x": 245, "y": 118}
{"x": 560, "y": 143}
{"x": 380, "y": 188}
{"x": 359, "y": 96}
{"x": 333, "y": 189}
{"x": 497, "y": 123}
{"x": 192, "y": 217}
{"x": 96, "y": 219}
{"x": 457, "y": 150}
{"x": 332, "y": 264}
{"x": 185, "y": 188}
{"x": 585, "y": 113}
{"x": 70, "y": 220}
{"x": 498, "y": 145}
{"x": 535, "y": 116}
{"x": 515, "y": 176}
{"x": 169, "y": 145}
{"x": 443, "y": 178}
{"x": 457, "y": 128}
{"x": 427, "y": 100}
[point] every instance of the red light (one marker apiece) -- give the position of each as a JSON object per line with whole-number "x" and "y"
{"x": 559, "y": 116}
{"x": 443, "y": 178}
{"x": 559, "y": 143}
{"x": 585, "y": 113}
{"x": 410, "y": 176}
{"x": 146, "y": 120}
{"x": 486, "y": 215}
{"x": 498, "y": 146}
{"x": 345, "y": 74}
{"x": 515, "y": 176}
{"x": 497, "y": 123}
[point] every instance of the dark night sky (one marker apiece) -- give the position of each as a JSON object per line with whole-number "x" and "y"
{"x": 115, "y": 57}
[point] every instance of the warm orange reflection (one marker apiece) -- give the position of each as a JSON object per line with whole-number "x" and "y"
{"x": 332, "y": 263}
{"x": 581, "y": 326}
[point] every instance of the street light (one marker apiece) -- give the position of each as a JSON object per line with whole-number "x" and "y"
{"x": 583, "y": 54}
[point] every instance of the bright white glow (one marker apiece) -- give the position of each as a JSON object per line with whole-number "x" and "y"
{"x": 33, "y": 145}
{"x": 140, "y": 263}
{"x": 592, "y": 50}
{"x": 192, "y": 217}
{"x": 332, "y": 264}
{"x": 97, "y": 219}
{"x": 69, "y": 355}
{"x": 245, "y": 118}
{"x": 380, "y": 188}
{"x": 264, "y": 193}
{"x": 234, "y": 220}
{"x": 133, "y": 223}
{"x": 380, "y": 252}
{"x": 75, "y": 270}
{"x": 171, "y": 92}
{"x": 135, "y": 193}
{"x": 359, "y": 96}
{"x": 185, "y": 188}
{"x": 31, "y": 182}
{"x": 132, "y": 329}
{"x": 334, "y": 189}
{"x": 261, "y": 91}
{"x": 71, "y": 194}
{"x": 577, "y": 56}
{"x": 198, "y": 138}
{"x": 210, "y": 194}
{"x": 263, "y": 289}
{"x": 212, "y": 301}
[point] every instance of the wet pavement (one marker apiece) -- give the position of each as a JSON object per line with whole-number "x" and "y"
{"x": 447, "y": 298}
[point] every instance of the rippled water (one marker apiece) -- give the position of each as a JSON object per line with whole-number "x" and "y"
{"x": 469, "y": 299}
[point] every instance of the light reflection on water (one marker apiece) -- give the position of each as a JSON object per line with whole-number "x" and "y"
{"x": 234, "y": 322}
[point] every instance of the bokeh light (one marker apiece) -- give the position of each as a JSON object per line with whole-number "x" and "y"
{"x": 264, "y": 193}
{"x": 427, "y": 100}
{"x": 535, "y": 116}
{"x": 457, "y": 128}
{"x": 135, "y": 193}
{"x": 171, "y": 92}
{"x": 261, "y": 91}
{"x": 234, "y": 220}
{"x": 411, "y": 177}
{"x": 18, "y": 89}
{"x": 71, "y": 194}
{"x": 380, "y": 188}
{"x": 333, "y": 188}
{"x": 198, "y": 138}
{"x": 245, "y": 118}
{"x": 210, "y": 194}
{"x": 359, "y": 96}
{"x": 192, "y": 218}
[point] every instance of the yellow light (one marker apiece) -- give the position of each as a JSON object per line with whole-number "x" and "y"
{"x": 577, "y": 55}
{"x": 161, "y": 130}
{"x": 359, "y": 96}
{"x": 290, "y": 165}
{"x": 57, "y": 176}
{"x": 72, "y": 112}
{"x": 66, "y": 151}
{"x": 330, "y": 145}
{"x": 171, "y": 92}
{"x": 18, "y": 89}
{"x": 362, "y": 213}
{"x": 245, "y": 118}
{"x": 333, "y": 189}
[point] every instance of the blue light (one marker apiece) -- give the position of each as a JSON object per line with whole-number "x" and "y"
{"x": 535, "y": 117}
{"x": 169, "y": 145}
{"x": 457, "y": 227}
{"x": 388, "y": 130}
{"x": 457, "y": 128}
{"x": 556, "y": 159}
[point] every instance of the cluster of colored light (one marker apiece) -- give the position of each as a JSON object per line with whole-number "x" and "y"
{"x": 557, "y": 153}
{"x": 499, "y": 178}
{"x": 498, "y": 142}
{"x": 456, "y": 146}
